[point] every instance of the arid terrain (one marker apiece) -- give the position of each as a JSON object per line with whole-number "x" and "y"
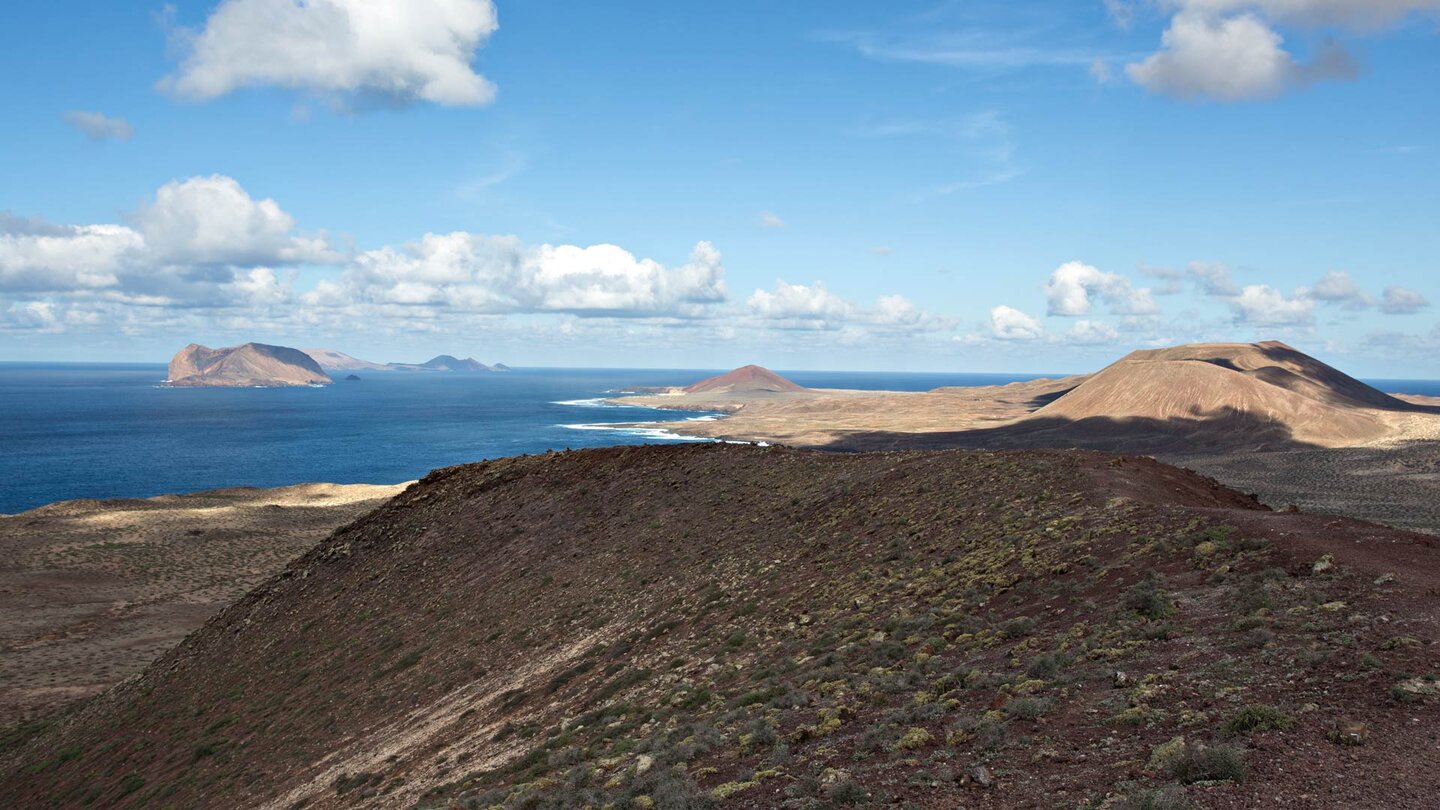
{"x": 251, "y": 365}
{"x": 92, "y": 591}
{"x": 1262, "y": 417}
{"x": 712, "y": 625}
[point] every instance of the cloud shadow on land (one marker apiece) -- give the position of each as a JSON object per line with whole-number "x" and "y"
{"x": 1229, "y": 430}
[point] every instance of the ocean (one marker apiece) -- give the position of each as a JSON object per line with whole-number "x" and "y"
{"x": 111, "y": 431}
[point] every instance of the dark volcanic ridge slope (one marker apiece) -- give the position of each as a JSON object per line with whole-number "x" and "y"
{"x": 715, "y": 625}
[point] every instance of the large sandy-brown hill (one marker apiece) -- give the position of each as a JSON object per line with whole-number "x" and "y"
{"x": 1232, "y": 392}
{"x": 246, "y": 366}
{"x": 712, "y": 625}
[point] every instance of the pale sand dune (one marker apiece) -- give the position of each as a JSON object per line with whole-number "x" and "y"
{"x": 92, "y": 591}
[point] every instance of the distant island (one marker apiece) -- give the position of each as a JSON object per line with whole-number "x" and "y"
{"x": 250, "y": 365}
{"x": 260, "y": 365}
{"x": 332, "y": 360}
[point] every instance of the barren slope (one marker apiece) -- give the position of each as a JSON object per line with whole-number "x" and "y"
{"x": 245, "y": 366}
{"x": 92, "y": 591}
{"x": 746, "y": 379}
{"x": 1239, "y": 389}
{"x": 715, "y": 625}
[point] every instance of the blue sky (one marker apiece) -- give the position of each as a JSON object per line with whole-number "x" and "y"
{"x": 963, "y": 186}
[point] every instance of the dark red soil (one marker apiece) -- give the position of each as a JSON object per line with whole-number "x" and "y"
{"x": 716, "y": 625}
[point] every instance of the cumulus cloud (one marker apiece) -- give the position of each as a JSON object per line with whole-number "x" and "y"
{"x": 1072, "y": 286}
{"x": 1358, "y": 14}
{"x": 407, "y": 50}
{"x": 43, "y": 258}
{"x": 193, "y": 238}
{"x": 814, "y": 306}
{"x": 212, "y": 220}
{"x": 1402, "y": 301}
{"x": 30, "y": 316}
{"x": 1263, "y": 305}
{"x": 1092, "y": 332}
{"x": 99, "y": 126}
{"x": 498, "y": 274}
{"x": 1339, "y": 288}
{"x": 1008, "y": 323}
{"x": 1232, "y": 58}
{"x": 800, "y": 302}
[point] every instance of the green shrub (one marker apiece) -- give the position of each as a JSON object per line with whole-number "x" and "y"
{"x": 1167, "y": 797}
{"x": 1207, "y": 763}
{"x": 1148, "y": 599}
{"x": 1258, "y": 718}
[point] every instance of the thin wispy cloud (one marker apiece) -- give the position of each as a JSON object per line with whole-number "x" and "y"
{"x": 99, "y": 126}
{"x": 977, "y": 49}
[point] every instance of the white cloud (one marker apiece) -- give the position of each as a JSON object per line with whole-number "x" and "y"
{"x": 258, "y": 286}
{"x": 813, "y": 306}
{"x": 1071, "y": 286}
{"x": 65, "y": 257}
{"x": 406, "y": 50}
{"x": 800, "y": 302}
{"x": 1122, "y": 11}
{"x": 193, "y": 238}
{"x": 497, "y": 274}
{"x": 99, "y": 126}
{"x": 1008, "y": 323}
{"x": 1092, "y": 332}
{"x": 1360, "y": 14}
{"x": 1213, "y": 279}
{"x": 1101, "y": 72}
{"x": 212, "y": 220}
{"x": 1235, "y": 58}
{"x": 1339, "y": 288}
{"x": 31, "y": 316}
{"x": 770, "y": 220}
{"x": 1402, "y": 301}
{"x": 1263, "y": 305}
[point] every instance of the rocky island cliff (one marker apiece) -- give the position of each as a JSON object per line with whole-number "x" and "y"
{"x": 251, "y": 365}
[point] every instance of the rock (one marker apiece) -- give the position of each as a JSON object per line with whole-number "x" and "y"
{"x": 1349, "y": 732}
{"x": 980, "y": 776}
{"x": 1322, "y": 565}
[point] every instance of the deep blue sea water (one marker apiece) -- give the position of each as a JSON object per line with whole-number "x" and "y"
{"x": 110, "y": 431}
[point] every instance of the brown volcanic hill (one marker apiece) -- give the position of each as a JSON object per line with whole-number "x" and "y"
{"x": 712, "y": 625}
{"x": 1228, "y": 393}
{"x": 746, "y": 379}
{"x": 249, "y": 365}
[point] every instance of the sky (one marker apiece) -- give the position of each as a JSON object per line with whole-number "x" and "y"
{"x": 920, "y": 186}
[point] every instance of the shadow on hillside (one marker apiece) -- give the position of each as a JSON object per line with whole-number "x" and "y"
{"x": 1226, "y": 431}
